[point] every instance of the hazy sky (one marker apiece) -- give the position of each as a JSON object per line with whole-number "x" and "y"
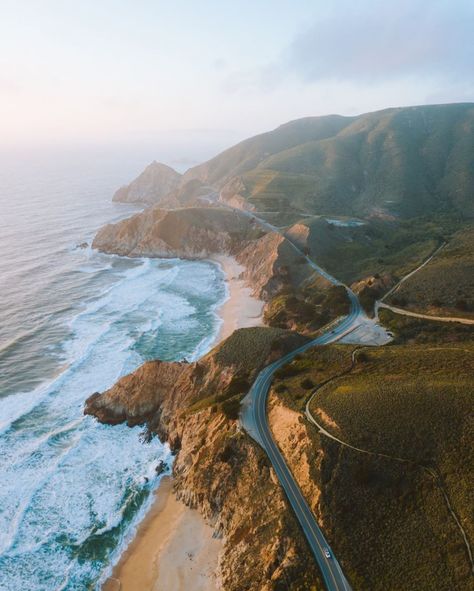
{"x": 113, "y": 70}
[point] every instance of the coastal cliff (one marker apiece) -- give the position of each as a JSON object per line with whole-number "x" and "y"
{"x": 186, "y": 233}
{"x": 271, "y": 264}
{"x": 218, "y": 469}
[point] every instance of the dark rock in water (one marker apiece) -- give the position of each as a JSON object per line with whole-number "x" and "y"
{"x": 83, "y": 245}
{"x": 160, "y": 468}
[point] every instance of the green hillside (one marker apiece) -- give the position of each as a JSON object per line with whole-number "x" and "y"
{"x": 387, "y": 519}
{"x": 248, "y": 154}
{"x": 374, "y": 247}
{"x": 400, "y": 162}
{"x": 446, "y": 284}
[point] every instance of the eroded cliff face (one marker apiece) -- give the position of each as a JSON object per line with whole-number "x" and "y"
{"x": 290, "y": 430}
{"x": 151, "y": 186}
{"x": 270, "y": 262}
{"x": 232, "y": 194}
{"x": 218, "y": 469}
{"x": 186, "y": 233}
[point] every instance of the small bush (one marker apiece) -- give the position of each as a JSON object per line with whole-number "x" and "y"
{"x": 287, "y": 371}
{"x": 238, "y": 385}
{"x": 307, "y": 384}
{"x": 231, "y": 408}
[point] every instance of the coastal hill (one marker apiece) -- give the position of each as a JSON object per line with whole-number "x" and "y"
{"x": 406, "y": 174}
{"x": 399, "y": 162}
{"x": 368, "y": 198}
{"x": 404, "y": 161}
{"x": 387, "y": 515}
{"x": 194, "y": 407}
{"x": 151, "y": 186}
{"x": 296, "y": 297}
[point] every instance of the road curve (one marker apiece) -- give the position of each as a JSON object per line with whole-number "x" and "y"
{"x": 254, "y": 420}
{"x": 253, "y": 417}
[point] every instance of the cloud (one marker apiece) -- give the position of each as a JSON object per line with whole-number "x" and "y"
{"x": 376, "y": 42}
{"x": 386, "y": 40}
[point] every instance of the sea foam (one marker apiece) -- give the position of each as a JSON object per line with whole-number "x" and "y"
{"x": 71, "y": 490}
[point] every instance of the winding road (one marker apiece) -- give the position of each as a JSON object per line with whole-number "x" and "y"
{"x": 255, "y": 422}
{"x": 254, "y": 419}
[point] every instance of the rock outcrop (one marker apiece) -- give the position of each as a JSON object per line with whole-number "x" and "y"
{"x": 186, "y": 233}
{"x": 271, "y": 262}
{"x": 218, "y": 469}
{"x": 232, "y": 194}
{"x": 151, "y": 186}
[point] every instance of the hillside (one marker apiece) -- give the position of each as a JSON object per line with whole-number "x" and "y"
{"x": 353, "y": 250}
{"x": 446, "y": 285}
{"x": 387, "y": 519}
{"x": 404, "y": 162}
{"x": 401, "y": 162}
{"x": 248, "y": 154}
{"x": 151, "y": 186}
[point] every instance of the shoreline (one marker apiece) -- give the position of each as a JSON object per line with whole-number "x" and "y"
{"x": 174, "y": 547}
{"x": 241, "y": 309}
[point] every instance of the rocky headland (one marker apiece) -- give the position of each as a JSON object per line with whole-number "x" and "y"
{"x": 151, "y": 186}
{"x": 218, "y": 469}
{"x": 194, "y": 406}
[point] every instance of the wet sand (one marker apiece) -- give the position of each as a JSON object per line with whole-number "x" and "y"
{"x": 174, "y": 549}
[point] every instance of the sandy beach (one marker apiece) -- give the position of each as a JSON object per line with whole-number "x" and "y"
{"x": 241, "y": 309}
{"x": 174, "y": 548}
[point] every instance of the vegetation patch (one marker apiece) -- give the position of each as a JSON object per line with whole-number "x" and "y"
{"x": 407, "y": 329}
{"x": 308, "y": 308}
{"x": 412, "y": 402}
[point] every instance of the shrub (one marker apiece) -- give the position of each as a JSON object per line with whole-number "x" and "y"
{"x": 307, "y": 384}
{"x": 287, "y": 371}
{"x": 231, "y": 408}
{"x": 462, "y": 305}
{"x": 238, "y": 385}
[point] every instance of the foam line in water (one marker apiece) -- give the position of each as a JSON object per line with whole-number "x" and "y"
{"x": 78, "y": 489}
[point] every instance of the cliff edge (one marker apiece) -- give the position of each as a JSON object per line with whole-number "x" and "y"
{"x": 218, "y": 469}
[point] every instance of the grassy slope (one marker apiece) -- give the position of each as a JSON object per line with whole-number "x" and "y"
{"x": 446, "y": 284}
{"x": 248, "y": 154}
{"x": 243, "y": 351}
{"x": 408, "y": 161}
{"x": 416, "y": 330}
{"x": 388, "y": 521}
{"x": 352, "y": 253}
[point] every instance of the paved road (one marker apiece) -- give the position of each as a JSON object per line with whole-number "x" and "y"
{"x": 254, "y": 420}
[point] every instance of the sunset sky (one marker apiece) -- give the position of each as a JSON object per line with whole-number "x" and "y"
{"x": 113, "y": 70}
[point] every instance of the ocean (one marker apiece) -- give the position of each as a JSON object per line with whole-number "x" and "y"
{"x": 72, "y": 321}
